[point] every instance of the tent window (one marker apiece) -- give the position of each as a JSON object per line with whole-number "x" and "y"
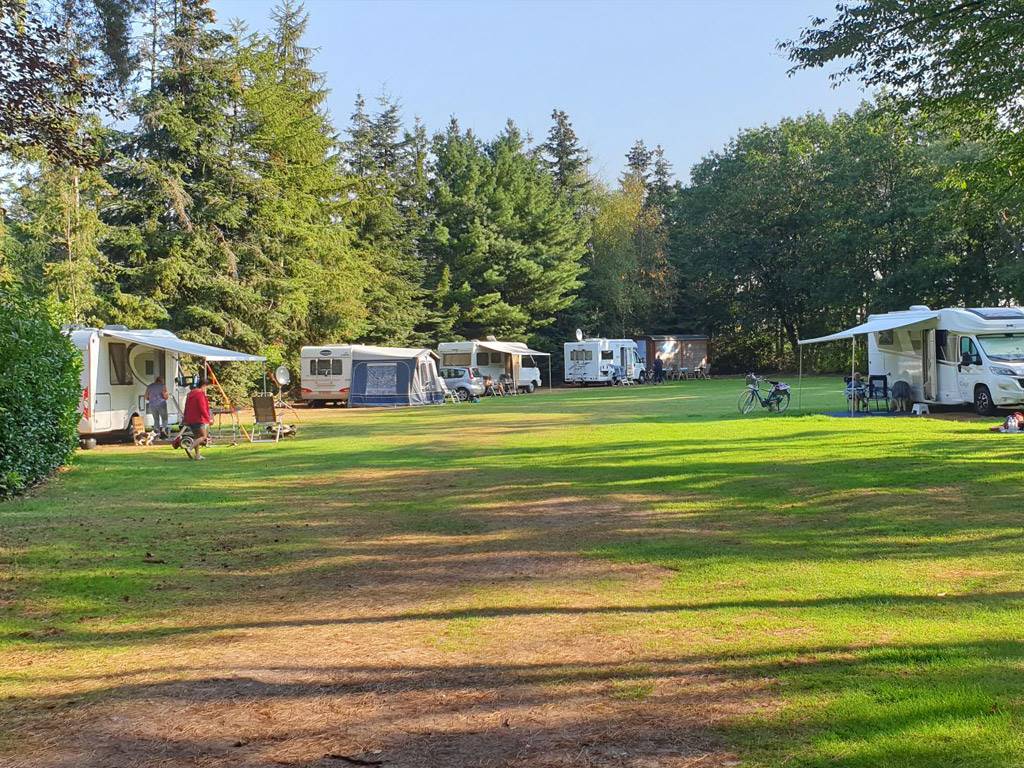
{"x": 457, "y": 358}
{"x": 119, "y": 371}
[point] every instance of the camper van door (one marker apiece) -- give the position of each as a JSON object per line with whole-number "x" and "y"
{"x": 970, "y": 369}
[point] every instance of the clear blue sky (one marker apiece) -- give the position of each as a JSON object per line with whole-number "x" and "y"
{"x": 686, "y": 75}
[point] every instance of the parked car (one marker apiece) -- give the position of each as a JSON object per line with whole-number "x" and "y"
{"x": 464, "y": 382}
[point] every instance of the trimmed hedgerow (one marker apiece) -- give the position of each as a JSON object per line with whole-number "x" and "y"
{"x": 39, "y": 394}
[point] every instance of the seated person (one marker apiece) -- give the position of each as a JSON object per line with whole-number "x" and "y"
{"x": 857, "y": 391}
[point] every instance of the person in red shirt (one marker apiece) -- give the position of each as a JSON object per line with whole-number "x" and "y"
{"x": 196, "y": 417}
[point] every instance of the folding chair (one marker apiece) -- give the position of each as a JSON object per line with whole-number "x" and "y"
{"x": 267, "y": 425}
{"x": 878, "y": 390}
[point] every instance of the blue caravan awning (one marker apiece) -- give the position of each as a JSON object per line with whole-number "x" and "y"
{"x": 160, "y": 339}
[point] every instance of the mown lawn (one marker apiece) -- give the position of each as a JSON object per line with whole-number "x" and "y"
{"x": 705, "y": 587}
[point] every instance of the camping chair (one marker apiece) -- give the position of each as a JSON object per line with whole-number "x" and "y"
{"x": 448, "y": 394}
{"x": 267, "y": 425}
{"x": 141, "y": 435}
{"x": 878, "y": 390}
{"x": 507, "y": 385}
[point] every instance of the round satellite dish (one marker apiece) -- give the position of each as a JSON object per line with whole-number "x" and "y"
{"x": 282, "y": 375}
{"x": 579, "y": 335}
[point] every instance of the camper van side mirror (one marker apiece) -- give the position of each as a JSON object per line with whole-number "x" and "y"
{"x": 965, "y": 359}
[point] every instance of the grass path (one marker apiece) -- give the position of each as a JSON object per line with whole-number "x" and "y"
{"x": 604, "y": 577}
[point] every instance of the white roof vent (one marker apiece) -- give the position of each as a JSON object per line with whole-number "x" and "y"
{"x": 920, "y": 308}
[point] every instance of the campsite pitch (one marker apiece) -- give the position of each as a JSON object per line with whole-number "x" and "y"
{"x": 602, "y": 577}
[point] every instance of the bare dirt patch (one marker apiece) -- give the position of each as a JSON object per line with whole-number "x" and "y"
{"x": 423, "y": 649}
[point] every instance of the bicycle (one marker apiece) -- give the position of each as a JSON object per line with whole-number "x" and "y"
{"x": 776, "y": 401}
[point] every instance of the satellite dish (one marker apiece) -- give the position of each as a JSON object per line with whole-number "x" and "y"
{"x": 579, "y": 335}
{"x": 282, "y": 376}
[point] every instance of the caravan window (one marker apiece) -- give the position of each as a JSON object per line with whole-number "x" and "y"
{"x": 456, "y": 358}
{"x": 336, "y": 368}
{"x": 119, "y": 372}
{"x": 323, "y": 367}
{"x": 581, "y": 355}
{"x": 483, "y": 358}
{"x": 312, "y": 367}
{"x": 607, "y": 354}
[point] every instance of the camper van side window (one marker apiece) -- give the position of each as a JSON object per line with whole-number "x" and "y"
{"x": 607, "y": 354}
{"x": 119, "y": 371}
{"x": 588, "y": 354}
{"x": 885, "y": 338}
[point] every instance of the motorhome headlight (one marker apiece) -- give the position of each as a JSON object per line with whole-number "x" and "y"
{"x": 1000, "y": 370}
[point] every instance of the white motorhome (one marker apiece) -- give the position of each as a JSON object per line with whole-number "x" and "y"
{"x": 495, "y": 358}
{"x": 602, "y": 361}
{"x": 117, "y": 366}
{"x": 948, "y": 356}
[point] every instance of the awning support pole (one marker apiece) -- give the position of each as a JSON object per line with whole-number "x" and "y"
{"x": 853, "y": 370}
{"x": 551, "y": 384}
{"x": 800, "y": 380}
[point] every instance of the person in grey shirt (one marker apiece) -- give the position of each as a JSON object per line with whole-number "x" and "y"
{"x": 156, "y": 404}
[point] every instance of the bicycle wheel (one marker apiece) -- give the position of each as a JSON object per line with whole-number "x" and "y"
{"x": 746, "y": 402}
{"x": 781, "y": 402}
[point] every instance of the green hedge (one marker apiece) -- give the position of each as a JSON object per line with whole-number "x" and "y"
{"x": 39, "y": 394}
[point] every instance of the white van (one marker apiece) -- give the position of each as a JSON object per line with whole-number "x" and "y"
{"x": 495, "y": 358}
{"x": 117, "y": 366}
{"x": 602, "y": 361}
{"x": 949, "y": 356}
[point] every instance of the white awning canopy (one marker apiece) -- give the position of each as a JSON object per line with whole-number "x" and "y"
{"x": 886, "y": 322}
{"x": 365, "y": 352}
{"x": 510, "y": 348}
{"x": 160, "y": 339}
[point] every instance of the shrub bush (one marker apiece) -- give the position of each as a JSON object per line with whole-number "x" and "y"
{"x": 39, "y": 394}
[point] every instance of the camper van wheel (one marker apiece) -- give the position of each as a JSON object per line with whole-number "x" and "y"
{"x": 88, "y": 444}
{"x": 983, "y": 401}
{"x": 643, "y": 377}
{"x": 530, "y": 388}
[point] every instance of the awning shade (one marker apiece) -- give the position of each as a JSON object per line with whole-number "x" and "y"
{"x": 159, "y": 339}
{"x": 510, "y": 348}
{"x": 888, "y": 322}
{"x": 364, "y": 352}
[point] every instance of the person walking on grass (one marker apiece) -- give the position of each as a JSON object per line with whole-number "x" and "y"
{"x": 196, "y": 418}
{"x": 659, "y": 370}
{"x": 156, "y": 404}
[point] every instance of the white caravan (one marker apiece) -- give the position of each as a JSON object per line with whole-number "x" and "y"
{"x": 948, "y": 356}
{"x": 495, "y": 358}
{"x": 602, "y": 361}
{"x": 326, "y": 373}
{"x": 117, "y": 366}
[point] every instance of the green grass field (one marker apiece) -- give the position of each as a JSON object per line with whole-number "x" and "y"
{"x": 587, "y": 577}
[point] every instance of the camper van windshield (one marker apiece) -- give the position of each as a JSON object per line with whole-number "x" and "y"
{"x": 1004, "y": 346}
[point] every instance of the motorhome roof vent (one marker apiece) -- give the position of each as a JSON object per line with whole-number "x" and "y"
{"x": 920, "y": 308}
{"x": 116, "y": 327}
{"x": 490, "y": 337}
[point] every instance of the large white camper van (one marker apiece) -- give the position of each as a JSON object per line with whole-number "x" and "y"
{"x": 948, "y": 356}
{"x": 117, "y": 366}
{"x": 602, "y": 361}
{"x": 495, "y": 358}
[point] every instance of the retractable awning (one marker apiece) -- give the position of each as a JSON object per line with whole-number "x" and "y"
{"x": 888, "y": 322}
{"x": 160, "y": 339}
{"x": 364, "y": 352}
{"x": 510, "y": 347}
